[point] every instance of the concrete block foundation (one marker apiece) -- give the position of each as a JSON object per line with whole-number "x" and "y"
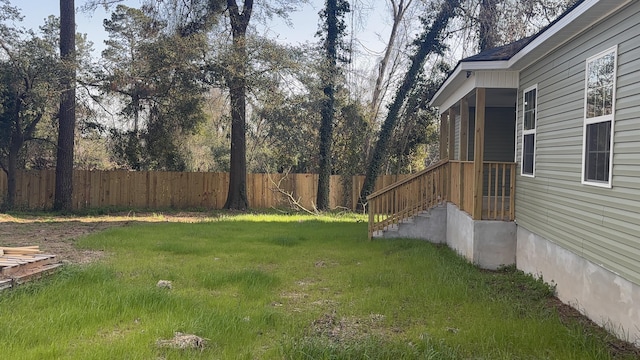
{"x": 605, "y": 297}
{"x": 487, "y": 244}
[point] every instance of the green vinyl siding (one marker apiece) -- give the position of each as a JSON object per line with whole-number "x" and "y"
{"x": 600, "y": 224}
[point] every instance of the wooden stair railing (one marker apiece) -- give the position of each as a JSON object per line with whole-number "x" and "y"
{"x": 406, "y": 198}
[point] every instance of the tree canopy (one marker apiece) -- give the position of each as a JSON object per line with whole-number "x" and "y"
{"x": 204, "y": 85}
{"x": 30, "y": 70}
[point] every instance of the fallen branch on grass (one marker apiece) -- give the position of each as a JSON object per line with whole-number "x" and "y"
{"x": 293, "y": 202}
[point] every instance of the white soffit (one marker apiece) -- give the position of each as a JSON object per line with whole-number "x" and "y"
{"x": 464, "y": 79}
{"x": 475, "y": 79}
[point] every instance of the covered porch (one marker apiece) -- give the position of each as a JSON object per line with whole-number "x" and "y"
{"x": 477, "y": 138}
{"x": 476, "y": 172}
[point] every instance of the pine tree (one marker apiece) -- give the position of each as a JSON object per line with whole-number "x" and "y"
{"x": 67, "y": 113}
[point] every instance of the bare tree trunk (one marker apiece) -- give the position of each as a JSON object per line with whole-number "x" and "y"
{"x": 15, "y": 144}
{"x": 326, "y": 135}
{"x": 328, "y": 103}
{"x": 19, "y": 136}
{"x": 428, "y": 42}
{"x": 399, "y": 8}
{"x": 67, "y": 114}
{"x": 488, "y": 36}
{"x": 237, "y": 195}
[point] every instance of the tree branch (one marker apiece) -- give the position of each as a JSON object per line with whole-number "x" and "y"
{"x": 41, "y": 140}
{"x": 293, "y": 202}
{"x": 28, "y": 131}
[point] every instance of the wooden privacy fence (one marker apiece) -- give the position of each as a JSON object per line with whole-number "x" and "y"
{"x": 179, "y": 190}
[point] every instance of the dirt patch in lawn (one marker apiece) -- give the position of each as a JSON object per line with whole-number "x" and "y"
{"x": 57, "y": 234}
{"x": 347, "y": 329}
{"x": 183, "y": 341}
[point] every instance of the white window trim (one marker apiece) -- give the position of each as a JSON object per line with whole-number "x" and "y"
{"x": 599, "y": 119}
{"x": 529, "y": 132}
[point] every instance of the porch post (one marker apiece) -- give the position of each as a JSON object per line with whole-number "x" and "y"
{"x": 464, "y": 129}
{"x": 452, "y": 133}
{"x": 478, "y": 156}
{"x": 443, "y": 127}
{"x": 464, "y": 146}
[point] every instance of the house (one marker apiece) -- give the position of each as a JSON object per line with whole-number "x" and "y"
{"x": 541, "y": 162}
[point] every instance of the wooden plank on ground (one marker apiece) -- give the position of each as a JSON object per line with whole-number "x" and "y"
{"x": 19, "y": 250}
{"x": 35, "y": 273}
{"x": 18, "y": 264}
{"x": 6, "y": 284}
{"x": 9, "y": 262}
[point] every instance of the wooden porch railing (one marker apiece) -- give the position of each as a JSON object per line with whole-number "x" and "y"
{"x": 408, "y": 197}
{"x": 462, "y": 179}
{"x": 445, "y": 181}
{"x": 499, "y": 186}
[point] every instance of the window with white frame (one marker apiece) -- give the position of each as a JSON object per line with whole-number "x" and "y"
{"x": 600, "y": 90}
{"x": 529, "y": 102}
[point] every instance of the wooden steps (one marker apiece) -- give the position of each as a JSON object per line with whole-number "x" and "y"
{"x": 21, "y": 264}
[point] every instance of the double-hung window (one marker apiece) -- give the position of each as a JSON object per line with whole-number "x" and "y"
{"x": 529, "y": 102}
{"x": 600, "y": 90}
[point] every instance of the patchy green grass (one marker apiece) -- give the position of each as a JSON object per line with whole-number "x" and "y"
{"x": 284, "y": 287}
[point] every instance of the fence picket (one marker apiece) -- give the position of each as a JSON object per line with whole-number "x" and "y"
{"x": 164, "y": 189}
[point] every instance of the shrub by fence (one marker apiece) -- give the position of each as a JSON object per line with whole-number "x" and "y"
{"x": 178, "y": 190}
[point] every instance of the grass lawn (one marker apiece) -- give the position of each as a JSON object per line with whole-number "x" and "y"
{"x": 284, "y": 287}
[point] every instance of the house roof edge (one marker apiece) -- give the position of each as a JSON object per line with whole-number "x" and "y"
{"x": 525, "y": 49}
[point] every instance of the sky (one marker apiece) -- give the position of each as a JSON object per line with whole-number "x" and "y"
{"x": 304, "y": 22}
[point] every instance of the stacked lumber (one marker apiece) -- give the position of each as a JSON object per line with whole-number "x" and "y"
{"x": 20, "y": 264}
{"x": 24, "y": 250}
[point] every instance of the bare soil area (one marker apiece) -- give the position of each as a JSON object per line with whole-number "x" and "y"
{"x": 56, "y": 234}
